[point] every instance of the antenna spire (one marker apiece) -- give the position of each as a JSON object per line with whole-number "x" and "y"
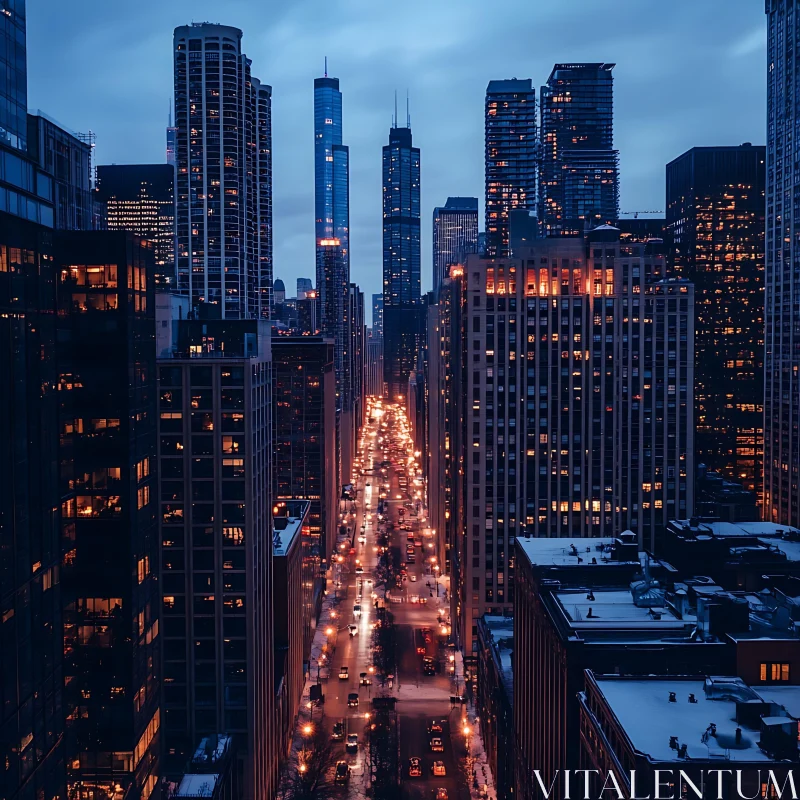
{"x": 408, "y": 112}
{"x": 326, "y": 66}
{"x": 395, "y": 109}
{"x": 170, "y": 113}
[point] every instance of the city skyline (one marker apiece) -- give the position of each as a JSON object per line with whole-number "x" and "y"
{"x": 446, "y": 105}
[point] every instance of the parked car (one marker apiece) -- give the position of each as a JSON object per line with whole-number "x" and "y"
{"x": 439, "y": 769}
{"x": 338, "y": 730}
{"x": 342, "y": 772}
{"x": 437, "y": 746}
{"x": 352, "y": 701}
{"x": 352, "y": 742}
{"x": 414, "y": 767}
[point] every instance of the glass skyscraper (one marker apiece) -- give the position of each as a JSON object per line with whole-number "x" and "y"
{"x": 14, "y": 68}
{"x": 782, "y": 268}
{"x": 455, "y": 233}
{"x": 401, "y": 258}
{"x": 510, "y": 120}
{"x": 223, "y": 157}
{"x": 579, "y": 170}
{"x": 331, "y": 171}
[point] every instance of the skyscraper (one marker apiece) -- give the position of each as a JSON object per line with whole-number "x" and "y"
{"x": 455, "y": 233}
{"x": 510, "y": 156}
{"x": 579, "y": 171}
{"x": 574, "y": 385}
{"x": 715, "y": 218}
{"x": 782, "y": 269}
{"x": 14, "y": 86}
{"x": 401, "y": 258}
{"x": 139, "y": 198}
{"x": 331, "y": 170}
{"x": 304, "y": 286}
{"x": 172, "y": 135}
{"x": 224, "y": 173}
{"x": 377, "y": 316}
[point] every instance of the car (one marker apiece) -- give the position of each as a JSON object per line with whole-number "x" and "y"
{"x": 359, "y": 571}
{"x": 423, "y": 600}
{"x": 417, "y": 542}
{"x": 342, "y": 772}
{"x": 344, "y": 673}
{"x": 435, "y": 726}
{"x": 414, "y": 767}
{"x": 338, "y": 730}
{"x": 437, "y": 746}
{"x": 441, "y": 794}
{"x": 412, "y": 578}
{"x": 357, "y": 610}
{"x": 361, "y": 540}
{"x": 352, "y": 629}
{"x": 415, "y": 598}
{"x": 369, "y": 484}
{"x": 352, "y": 700}
{"x": 439, "y": 769}
{"x": 352, "y": 743}
{"x": 365, "y": 680}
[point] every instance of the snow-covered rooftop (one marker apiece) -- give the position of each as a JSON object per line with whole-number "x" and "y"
{"x": 542, "y": 551}
{"x": 283, "y": 538}
{"x": 644, "y": 710}
{"x": 501, "y": 630}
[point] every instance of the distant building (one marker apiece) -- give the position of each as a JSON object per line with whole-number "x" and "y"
{"x": 139, "y": 198}
{"x": 641, "y": 229}
{"x": 374, "y": 367}
{"x": 377, "y": 316}
{"x": 715, "y": 222}
{"x": 223, "y": 194}
{"x": 296, "y": 569}
{"x": 216, "y": 545}
{"x": 211, "y": 773}
{"x": 401, "y": 258}
{"x": 579, "y": 167}
{"x": 279, "y": 290}
{"x": 510, "y": 158}
{"x": 304, "y": 286}
{"x": 495, "y": 699}
{"x": 455, "y": 233}
{"x": 719, "y": 499}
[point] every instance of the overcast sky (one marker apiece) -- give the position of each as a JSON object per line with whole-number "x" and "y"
{"x": 689, "y": 72}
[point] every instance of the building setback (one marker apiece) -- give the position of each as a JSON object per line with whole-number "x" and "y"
{"x": 579, "y": 172}
{"x": 108, "y": 447}
{"x": 715, "y": 223}
{"x": 510, "y": 158}
{"x": 223, "y": 167}
{"x": 216, "y": 557}
{"x": 455, "y": 233}
{"x": 139, "y": 198}
{"x": 782, "y": 270}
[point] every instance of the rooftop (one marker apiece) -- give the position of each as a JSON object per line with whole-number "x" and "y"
{"x": 197, "y": 786}
{"x": 574, "y": 551}
{"x": 288, "y": 527}
{"x": 755, "y": 537}
{"x": 661, "y": 715}
{"x": 501, "y": 633}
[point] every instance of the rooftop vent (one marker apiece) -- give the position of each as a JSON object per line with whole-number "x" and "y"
{"x": 673, "y": 698}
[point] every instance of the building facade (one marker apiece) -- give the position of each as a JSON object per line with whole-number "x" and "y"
{"x": 139, "y": 198}
{"x": 455, "y": 233}
{"x": 107, "y": 454}
{"x": 782, "y": 271}
{"x": 216, "y": 556}
{"x": 715, "y": 223}
{"x": 577, "y": 370}
{"x": 401, "y": 258}
{"x": 510, "y": 157}
{"x": 14, "y": 86}
{"x": 223, "y": 167}
{"x": 377, "y": 316}
{"x": 579, "y": 167}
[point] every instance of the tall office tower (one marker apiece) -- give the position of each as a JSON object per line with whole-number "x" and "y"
{"x": 331, "y": 170}
{"x": 401, "y": 258}
{"x": 455, "y": 234}
{"x": 31, "y": 640}
{"x": 377, "y": 316}
{"x": 782, "y": 270}
{"x": 715, "y": 220}
{"x": 216, "y": 557}
{"x": 139, "y": 198}
{"x": 172, "y": 138}
{"x": 223, "y": 172}
{"x": 579, "y": 167}
{"x": 14, "y": 86}
{"x": 107, "y": 454}
{"x": 304, "y": 432}
{"x": 304, "y": 286}
{"x": 510, "y": 157}
{"x": 373, "y": 369}
{"x": 577, "y": 368}
{"x": 67, "y": 158}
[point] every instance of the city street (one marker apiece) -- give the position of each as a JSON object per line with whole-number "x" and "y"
{"x": 387, "y": 471}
